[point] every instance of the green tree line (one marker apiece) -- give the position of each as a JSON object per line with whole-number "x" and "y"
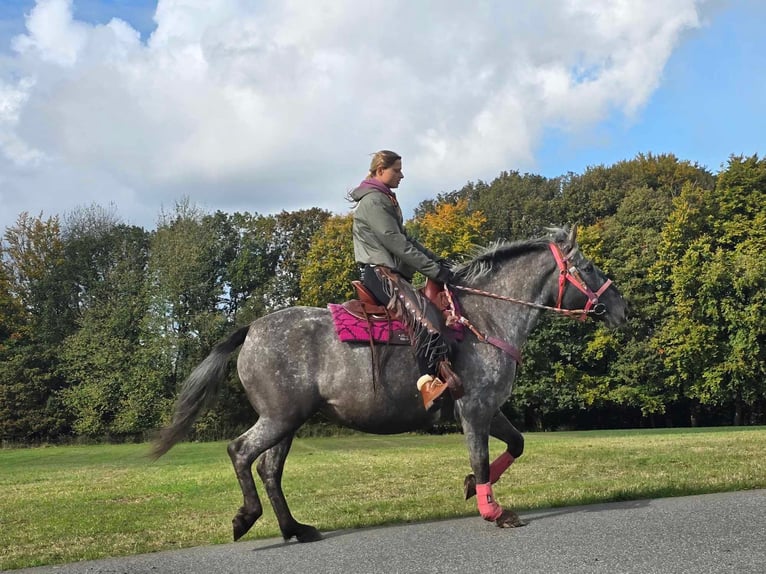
{"x": 101, "y": 321}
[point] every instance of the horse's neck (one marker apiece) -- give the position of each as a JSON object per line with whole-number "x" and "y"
{"x": 524, "y": 278}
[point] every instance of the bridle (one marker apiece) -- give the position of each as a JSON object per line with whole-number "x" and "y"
{"x": 568, "y": 273}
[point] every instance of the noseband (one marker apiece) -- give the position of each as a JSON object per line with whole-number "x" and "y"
{"x": 569, "y": 273}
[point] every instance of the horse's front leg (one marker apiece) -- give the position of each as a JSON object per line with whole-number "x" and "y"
{"x": 478, "y": 452}
{"x": 502, "y": 429}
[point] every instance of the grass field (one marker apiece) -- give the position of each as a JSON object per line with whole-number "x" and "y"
{"x": 64, "y": 504}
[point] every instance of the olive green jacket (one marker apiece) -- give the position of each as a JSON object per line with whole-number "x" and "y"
{"x": 380, "y": 238}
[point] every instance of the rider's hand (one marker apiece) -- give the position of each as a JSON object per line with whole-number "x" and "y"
{"x": 445, "y": 275}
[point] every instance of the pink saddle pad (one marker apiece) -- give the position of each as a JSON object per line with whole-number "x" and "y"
{"x": 352, "y": 329}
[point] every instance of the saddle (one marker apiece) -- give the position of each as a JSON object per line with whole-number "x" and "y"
{"x": 369, "y": 308}
{"x": 366, "y": 306}
{"x": 366, "y": 320}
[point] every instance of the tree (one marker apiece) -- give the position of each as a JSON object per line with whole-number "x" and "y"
{"x": 13, "y": 319}
{"x": 514, "y": 206}
{"x": 545, "y": 394}
{"x": 186, "y": 287}
{"x": 88, "y": 244}
{"x": 15, "y": 413}
{"x": 632, "y": 200}
{"x": 711, "y": 276}
{"x": 451, "y": 230}
{"x": 292, "y": 238}
{"x": 615, "y": 371}
{"x": 252, "y": 269}
{"x": 32, "y": 258}
{"x": 599, "y": 191}
{"x": 329, "y": 267}
{"x": 112, "y": 388}
{"x": 624, "y": 246}
{"x": 35, "y": 262}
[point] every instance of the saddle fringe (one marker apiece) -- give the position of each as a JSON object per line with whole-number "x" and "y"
{"x": 414, "y": 310}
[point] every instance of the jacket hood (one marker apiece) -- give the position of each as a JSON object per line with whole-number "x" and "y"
{"x": 370, "y": 186}
{"x": 361, "y": 191}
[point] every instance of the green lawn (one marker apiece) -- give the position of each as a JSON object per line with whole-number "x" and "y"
{"x": 63, "y": 504}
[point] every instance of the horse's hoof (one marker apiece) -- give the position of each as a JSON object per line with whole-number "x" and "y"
{"x": 509, "y": 519}
{"x": 303, "y": 533}
{"x": 469, "y": 486}
{"x": 308, "y": 534}
{"x": 243, "y": 522}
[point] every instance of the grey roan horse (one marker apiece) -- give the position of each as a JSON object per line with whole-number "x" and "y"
{"x": 292, "y": 366}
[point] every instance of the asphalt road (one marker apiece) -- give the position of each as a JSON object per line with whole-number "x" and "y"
{"x": 715, "y": 533}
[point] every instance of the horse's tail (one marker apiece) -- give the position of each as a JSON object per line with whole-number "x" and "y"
{"x": 198, "y": 391}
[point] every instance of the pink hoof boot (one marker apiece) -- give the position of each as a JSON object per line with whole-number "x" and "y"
{"x": 489, "y": 509}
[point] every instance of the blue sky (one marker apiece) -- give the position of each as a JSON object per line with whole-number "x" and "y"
{"x": 138, "y": 13}
{"x": 254, "y": 105}
{"x": 709, "y": 105}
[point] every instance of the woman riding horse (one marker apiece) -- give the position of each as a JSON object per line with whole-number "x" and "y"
{"x": 388, "y": 258}
{"x": 292, "y": 365}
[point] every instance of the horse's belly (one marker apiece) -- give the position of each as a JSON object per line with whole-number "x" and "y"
{"x": 382, "y": 417}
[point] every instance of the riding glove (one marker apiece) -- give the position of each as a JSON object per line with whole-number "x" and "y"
{"x": 445, "y": 275}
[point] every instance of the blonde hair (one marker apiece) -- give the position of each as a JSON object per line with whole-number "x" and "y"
{"x": 382, "y": 160}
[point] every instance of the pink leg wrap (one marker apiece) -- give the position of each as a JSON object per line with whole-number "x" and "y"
{"x": 499, "y": 466}
{"x": 488, "y": 508}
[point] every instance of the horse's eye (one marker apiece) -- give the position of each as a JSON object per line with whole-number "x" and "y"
{"x": 588, "y": 268}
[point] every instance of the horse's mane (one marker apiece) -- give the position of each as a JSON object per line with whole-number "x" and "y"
{"x": 485, "y": 258}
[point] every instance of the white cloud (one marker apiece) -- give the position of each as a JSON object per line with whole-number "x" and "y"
{"x": 269, "y": 105}
{"x": 53, "y": 35}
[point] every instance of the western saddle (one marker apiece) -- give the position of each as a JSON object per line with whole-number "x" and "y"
{"x": 366, "y": 305}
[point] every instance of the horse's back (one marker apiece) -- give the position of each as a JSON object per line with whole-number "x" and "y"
{"x": 286, "y": 344}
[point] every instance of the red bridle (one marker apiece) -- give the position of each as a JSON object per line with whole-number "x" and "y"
{"x": 569, "y": 273}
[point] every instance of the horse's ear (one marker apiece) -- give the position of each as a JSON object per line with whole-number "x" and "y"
{"x": 572, "y": 239}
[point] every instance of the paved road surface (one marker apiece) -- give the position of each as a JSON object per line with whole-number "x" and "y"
{"x": 716, "y": 533}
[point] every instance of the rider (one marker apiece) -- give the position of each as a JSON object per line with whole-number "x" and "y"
{"x": 388, "y": 258}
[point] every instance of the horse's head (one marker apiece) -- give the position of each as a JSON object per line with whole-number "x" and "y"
{"x": 582, "y": 288}
{"x": 582, "y": 285}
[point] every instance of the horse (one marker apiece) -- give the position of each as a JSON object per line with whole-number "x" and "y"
{"x": 292, "y": 366}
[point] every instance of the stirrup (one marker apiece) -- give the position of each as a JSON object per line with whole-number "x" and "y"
{"x": 431, "y": 388}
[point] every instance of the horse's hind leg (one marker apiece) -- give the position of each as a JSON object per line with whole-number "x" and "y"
{"x": 270, "y": 467}
{"x": 243, "y": 451}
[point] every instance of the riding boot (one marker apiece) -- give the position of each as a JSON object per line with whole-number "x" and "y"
{"x": 431, "y": 388}
{"x": 450, "y": 378}
{"x": 424, "y": 327}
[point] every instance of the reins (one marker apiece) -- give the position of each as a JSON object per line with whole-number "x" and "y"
{"x": 567, "y": 274}
{"x": 455, "y": 317}
{"x": 575, "y": 313}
